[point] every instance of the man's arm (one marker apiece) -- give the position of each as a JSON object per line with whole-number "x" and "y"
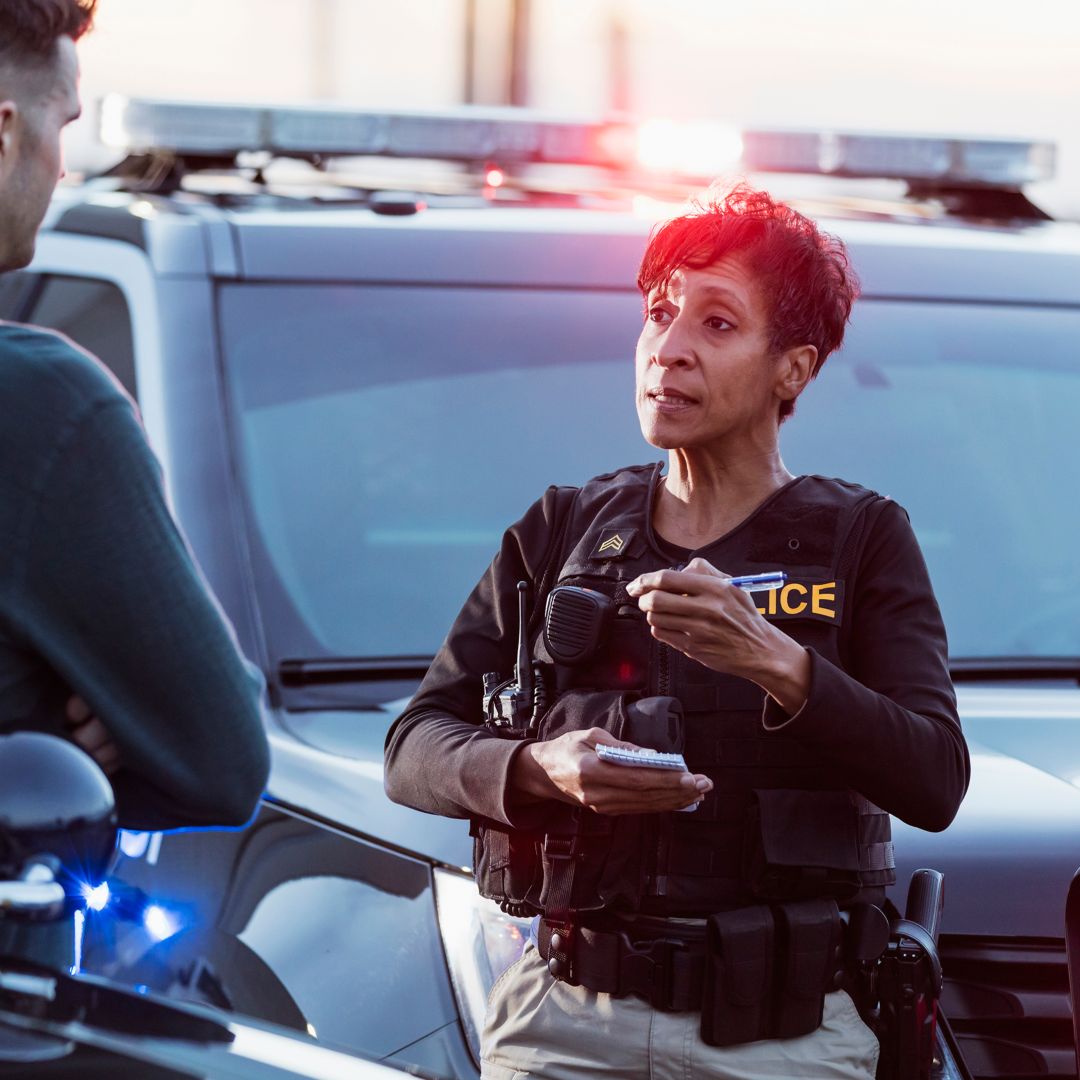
{"x": 110, "y": 597}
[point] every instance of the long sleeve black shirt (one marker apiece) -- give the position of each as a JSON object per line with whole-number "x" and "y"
{"x": 889, "y": 722}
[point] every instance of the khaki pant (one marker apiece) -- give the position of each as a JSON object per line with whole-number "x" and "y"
{"x": 538, "y": 1027}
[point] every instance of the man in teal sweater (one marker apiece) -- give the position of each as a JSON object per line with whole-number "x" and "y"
{"x": 108, "y": 633}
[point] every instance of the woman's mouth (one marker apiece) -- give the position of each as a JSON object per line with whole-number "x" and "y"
{"x": 668, "y": 400}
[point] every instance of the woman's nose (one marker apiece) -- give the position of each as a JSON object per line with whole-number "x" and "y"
{"x": 672, "y": 349}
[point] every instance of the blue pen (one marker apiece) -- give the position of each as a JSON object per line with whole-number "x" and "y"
{"x": 771, "y": 579}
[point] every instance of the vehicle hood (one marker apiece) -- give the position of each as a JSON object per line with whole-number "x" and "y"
{"x": 1008, "y": 857}
{"x": 89, "y": 1026}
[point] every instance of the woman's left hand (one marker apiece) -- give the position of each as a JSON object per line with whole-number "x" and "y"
{"x": 695, "y": 611}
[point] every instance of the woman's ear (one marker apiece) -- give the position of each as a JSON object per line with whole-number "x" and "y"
{"x": 794, "y": 371}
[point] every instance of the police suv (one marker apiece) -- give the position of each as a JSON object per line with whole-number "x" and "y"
{"x": 363, "y": 343}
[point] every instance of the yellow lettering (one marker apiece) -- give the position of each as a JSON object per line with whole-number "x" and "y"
{"x": 772, "y": 601}
{"x": 819, "y": 595}
{"x": 786, "y": 591}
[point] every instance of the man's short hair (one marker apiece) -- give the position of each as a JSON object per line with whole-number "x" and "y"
{"x": 29, "y": 29}
{"x": 804, "y": 273}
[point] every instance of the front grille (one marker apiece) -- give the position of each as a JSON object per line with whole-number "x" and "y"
{"x": 1007, "y": 1000}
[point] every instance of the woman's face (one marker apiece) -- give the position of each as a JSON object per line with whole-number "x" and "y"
{"x": 705, "y": 376}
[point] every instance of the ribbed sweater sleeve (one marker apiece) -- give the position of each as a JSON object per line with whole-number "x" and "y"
{"x": 107, "y": 594}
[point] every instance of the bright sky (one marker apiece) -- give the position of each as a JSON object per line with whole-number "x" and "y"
{"x": 951, "y": 66}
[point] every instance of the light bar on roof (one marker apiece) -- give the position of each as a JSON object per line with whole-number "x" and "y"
{"x": 916, "y": 158}
{"x": 693, "y": 152}
{"x": 465, "y": 134}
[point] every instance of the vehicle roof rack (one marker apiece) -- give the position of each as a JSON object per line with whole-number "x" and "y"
{"x": 198, "y": 133}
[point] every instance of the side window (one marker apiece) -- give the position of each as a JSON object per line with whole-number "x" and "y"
{"x": 94, "y": 314}
{"x": 16, "y": 292}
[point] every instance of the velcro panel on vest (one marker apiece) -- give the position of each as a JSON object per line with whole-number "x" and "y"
{"x": 806, "y": 534}
{"x": 808, "y": 952}
{"x": 738, "y": 976}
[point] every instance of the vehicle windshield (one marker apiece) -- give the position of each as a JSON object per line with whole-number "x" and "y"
{"x": 387, "y": 435}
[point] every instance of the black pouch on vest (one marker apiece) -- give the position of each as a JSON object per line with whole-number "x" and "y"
{"x": 802, "y": 844}
{"x": 515, "y": 867}
{"x": 738, "y": 976}
{"x": 808, "y": 945}
{"x": 590, "y": 861}
{"x": 507, "y": 865}
{"x": 579, "y": 710}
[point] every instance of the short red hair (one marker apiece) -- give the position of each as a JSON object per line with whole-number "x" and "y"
{"x": 804, "y": 273}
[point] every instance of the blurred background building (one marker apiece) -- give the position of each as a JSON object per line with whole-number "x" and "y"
{"x": 951, "y": 66}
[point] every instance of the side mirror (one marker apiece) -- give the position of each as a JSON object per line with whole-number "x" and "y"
{"x": 57, "y": 824}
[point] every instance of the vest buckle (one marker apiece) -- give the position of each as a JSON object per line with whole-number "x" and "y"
{"x": 558, "y": 846}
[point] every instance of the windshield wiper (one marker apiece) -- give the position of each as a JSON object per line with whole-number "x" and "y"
{"x": 352, "y": 669}
{"x": 1007, "y": 668}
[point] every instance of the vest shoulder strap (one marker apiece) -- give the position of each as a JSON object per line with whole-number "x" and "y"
{"x": 566, "y": 499}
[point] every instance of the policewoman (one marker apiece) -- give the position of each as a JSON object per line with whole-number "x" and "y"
{"x": 689, "y": 922}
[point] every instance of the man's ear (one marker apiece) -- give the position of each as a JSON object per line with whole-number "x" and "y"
{"x": 9, "y": 116}
{"x": 794, "y": 371}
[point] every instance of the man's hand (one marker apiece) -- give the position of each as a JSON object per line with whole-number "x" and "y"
{"x": 568, "y": 769}
{"x": 697, "y": 612}
{"x": 92, "y": 735}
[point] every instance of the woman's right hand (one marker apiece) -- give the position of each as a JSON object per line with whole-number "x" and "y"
{"x": 568, "y": 769}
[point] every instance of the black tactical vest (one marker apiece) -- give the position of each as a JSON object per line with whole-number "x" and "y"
{"x": 780, "y": 822}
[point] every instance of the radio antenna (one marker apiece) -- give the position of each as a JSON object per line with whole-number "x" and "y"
{"x": 523, "y": 670}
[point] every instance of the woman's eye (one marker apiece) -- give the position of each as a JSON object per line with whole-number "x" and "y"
{"x": 718, "y": 322}
{"x": 658, "y": 315}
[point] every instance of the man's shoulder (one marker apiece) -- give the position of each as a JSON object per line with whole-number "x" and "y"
{"x": 54, "y": 373}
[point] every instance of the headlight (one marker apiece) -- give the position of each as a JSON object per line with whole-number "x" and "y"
{"x": 480, "y": 943}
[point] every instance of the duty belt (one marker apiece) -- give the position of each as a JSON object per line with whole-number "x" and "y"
{"x": 665, "y": 962}
{"x": 668, "y": 971}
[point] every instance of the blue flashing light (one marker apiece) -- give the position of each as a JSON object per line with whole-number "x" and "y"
{"x": 96, "y": 896}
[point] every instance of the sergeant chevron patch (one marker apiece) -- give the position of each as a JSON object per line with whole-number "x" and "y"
{"x": 613, "y": 543}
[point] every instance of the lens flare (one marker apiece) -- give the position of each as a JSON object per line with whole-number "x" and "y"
{"x": 159, "y": 923}
{"x": 692, "y": 149}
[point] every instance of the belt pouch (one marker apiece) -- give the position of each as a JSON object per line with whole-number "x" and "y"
{"x": 808, "y": 947}
{"x": 738, "y": 976}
